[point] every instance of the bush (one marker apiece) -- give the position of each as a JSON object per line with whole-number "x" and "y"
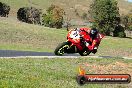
{"x": 127, "y": 21}
{"x": 130, "y": 28}
{"x": 29, "y": 15}
{"x": 4, "y": 10}
{"x": 119, "y": 31}
{"x": 54, "y": 17}
{"x": 121, "y": 34}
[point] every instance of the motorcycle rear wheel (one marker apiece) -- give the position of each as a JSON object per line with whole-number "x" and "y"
{"x": 60, "y": 49}
{"x": 84, "y": 53}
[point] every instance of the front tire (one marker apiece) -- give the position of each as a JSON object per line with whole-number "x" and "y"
{"x": 60, "y": 49}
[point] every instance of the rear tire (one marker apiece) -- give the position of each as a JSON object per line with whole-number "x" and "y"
{"x": 84, "y": 53}
{"x": 60, "y": 49}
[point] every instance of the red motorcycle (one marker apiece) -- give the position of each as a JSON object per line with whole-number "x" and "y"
{"x": 75, "y": 44}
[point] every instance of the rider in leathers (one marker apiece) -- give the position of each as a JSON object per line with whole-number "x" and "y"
{"x": 93, "y": 42}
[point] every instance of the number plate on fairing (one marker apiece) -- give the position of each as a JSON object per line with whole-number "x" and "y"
{"x": 75, "y": 35}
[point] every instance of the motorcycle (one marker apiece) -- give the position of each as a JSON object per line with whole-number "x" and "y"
{"x": 75, "y": 44}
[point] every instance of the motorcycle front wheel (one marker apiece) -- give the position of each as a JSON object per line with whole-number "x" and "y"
{"x": 60, "y": 49}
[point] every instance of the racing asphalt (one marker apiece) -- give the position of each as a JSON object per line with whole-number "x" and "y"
{"x": 31, "y": 54}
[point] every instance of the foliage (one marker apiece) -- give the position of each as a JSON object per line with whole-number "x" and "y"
{"x": 104, "y": 14}
{"x": 54, "y": 17}
{"x": 119, "y": 32}
{"x": 127, "y": 21}
{"x": 29, "y": 15}
{"x": 4, "y": 9}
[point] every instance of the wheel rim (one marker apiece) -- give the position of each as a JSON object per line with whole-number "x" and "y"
{"x": 62, "y": 50}
{"x": 85, "y": 53}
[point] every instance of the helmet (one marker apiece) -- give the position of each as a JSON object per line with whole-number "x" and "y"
{"x": 93, "y": 32}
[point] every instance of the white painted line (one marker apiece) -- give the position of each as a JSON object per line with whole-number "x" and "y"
{"x": 59, "y": 57}
{"x": 127, "y": 57}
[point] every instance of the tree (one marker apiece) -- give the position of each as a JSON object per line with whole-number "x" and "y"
{"x": 54, "y": 17}
{"x": 104, "y": 14}
{"x": 127, "y": 21}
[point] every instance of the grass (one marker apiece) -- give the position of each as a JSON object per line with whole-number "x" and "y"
{"x": 22, "y": 36}
{"x": 113, "y": 46}
{"x": 57, "y": 73}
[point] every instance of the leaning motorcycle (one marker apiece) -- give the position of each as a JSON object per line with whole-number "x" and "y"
{"x": 75, "y": 44}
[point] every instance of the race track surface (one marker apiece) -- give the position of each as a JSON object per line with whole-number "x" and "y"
{"x": 31, "y": 54}
{"x": 14, "y": 53}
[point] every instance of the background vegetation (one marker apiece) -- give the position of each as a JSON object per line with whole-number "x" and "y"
{"x": 104, "y": 12}
{"x": 54, "y": 17}
{"x": 127, "y": 21}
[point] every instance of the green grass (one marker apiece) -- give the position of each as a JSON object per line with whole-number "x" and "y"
{"x": 15, "y": 3}
{"x": 50, "y": 73}
{"x": 114, "y": 46}
{"x": 21, "y": 36}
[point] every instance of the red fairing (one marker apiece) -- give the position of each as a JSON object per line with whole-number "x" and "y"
{"x": 101, "y": 36}
{"x": 74, "y": 37}
{"x": 85, "y": 36}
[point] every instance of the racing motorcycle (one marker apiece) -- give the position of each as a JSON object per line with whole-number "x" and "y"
{"x": 75, "y": 44}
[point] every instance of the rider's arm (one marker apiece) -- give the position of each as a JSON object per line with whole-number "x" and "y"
{"x": 94, "y": 43}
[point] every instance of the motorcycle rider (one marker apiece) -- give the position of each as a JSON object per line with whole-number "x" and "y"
{"x": 93, "y": 38}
